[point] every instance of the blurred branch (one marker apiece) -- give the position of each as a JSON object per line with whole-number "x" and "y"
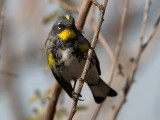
{"x": 136, "y": 61}
{"x": 129, "y": 82}
{"x": 90, "y": 52}
{"x": 66, "y": 6}
{"x": 152, "y": 33}
{"x": 101, "y": 37}
{"x": 83, "y": 14}
{"x": 130, "y": 78}
{"x": 1, "y": 22}
{"x": 97, "y": 4}
{"x": 117, "y": 52}
{"x": 119, "y": 42}
{"x": 104, "y": 42}
{"x": 8, "y": 73}
{"x": 145, "y": 19}
{"x": 50, "y": 111}
{"x": 53, "y": 98}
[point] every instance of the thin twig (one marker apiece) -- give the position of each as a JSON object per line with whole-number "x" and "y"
{"x": 101, "y": 38}
{"x": 117, "y": 52}
{"x": 135, "y": 63}
{"x": 119, "y": 105}
{"x": 97, "y": 4}
{"x": 119, "y": 42}
{"x": 66, "y": 6}
{"x": 103, "y": 41}
{"x": 134, "y": 66}
{"x": 96, "y": 112}
{"x": 86, "y": 67}
{"x": 145, "y": 19}
{"x": 50, "y": 111}
{"x": 152, "y": 33}
{"x": 130, "y": 79}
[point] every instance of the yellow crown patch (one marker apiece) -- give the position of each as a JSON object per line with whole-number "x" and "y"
{"x": 68, "y": 17}
{"x": 67, "y": 34}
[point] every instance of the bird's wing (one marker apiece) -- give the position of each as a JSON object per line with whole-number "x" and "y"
{"x": 83, "y": 40}
{"x": 97, "y": 62}
{"x": 65, "y": 85}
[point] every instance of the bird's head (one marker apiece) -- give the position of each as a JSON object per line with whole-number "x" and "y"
{"x": 65, "y": 28}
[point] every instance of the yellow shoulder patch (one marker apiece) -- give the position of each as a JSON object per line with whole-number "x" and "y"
{"x": 83, "y": 47}
{"x": 68, "y": 17}
{"x": 51, "y": 61}
{"x": 67, "y": 34}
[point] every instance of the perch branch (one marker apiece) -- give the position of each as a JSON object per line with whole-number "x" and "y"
{"x": 86, "y": 67}
{"x": 50, "y": 110}
{"x": 66, "y": 6}
{"x": 101, "y": 38}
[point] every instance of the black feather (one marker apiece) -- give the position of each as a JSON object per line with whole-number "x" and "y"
{"x": 65, "y": 85}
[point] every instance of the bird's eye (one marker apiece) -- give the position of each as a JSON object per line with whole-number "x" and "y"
{"x": 60, "y": 25}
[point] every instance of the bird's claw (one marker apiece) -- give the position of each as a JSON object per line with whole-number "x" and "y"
{"x": 76, "y": 96}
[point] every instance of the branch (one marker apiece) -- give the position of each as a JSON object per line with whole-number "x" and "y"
{"x": 105, "y": 44}
{"x": 117, "y": 52}
{"x": 97, "y": 4}
{"x": 130, "y": 78}
{"x": 118, "y": 106}
{"x": 53, "y": 98}
{"x": 104, "y": 41}
{"x": 86, "y": 67}
{"x": 83, "y": 14}
{"x": 101, "y": 37}
{"x": 66, "y": 6}
{"x": 145, "y": 19}
{"x": 119, "y": 42}
{"x": 136, "y": 61}
{"x": 50, "y": 111}
{"x": 152, "y": 33}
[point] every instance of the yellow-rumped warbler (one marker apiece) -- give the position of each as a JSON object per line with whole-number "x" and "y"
{"x": 67, "y": 53}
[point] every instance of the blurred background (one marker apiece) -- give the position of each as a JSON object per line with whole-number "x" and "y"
{"x": 25, "y": 79}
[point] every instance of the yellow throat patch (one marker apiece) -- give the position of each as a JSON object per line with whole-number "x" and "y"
{"x": 83, "y": 47}
{"x": 51, "y": 61}
{"x": 67, "y": 34}
{"x": 68, "y": 17}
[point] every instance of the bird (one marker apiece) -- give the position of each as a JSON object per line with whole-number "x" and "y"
{"x": 66, "y": 50}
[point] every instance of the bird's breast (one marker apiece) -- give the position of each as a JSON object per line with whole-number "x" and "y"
{"x": 67, "y": 56}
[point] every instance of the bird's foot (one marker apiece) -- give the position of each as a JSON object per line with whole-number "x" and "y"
{"x": 76, "y": 96}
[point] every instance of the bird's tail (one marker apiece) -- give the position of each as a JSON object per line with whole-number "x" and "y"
{"x": 101, "y": 90}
